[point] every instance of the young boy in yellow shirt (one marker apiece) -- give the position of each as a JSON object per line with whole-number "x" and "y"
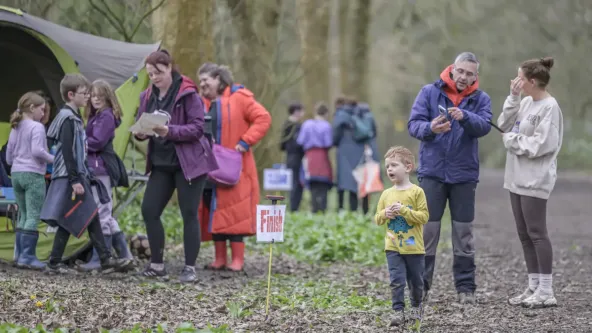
{"x": 404, "y": 210}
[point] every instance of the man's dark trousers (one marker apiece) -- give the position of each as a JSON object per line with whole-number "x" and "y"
{"x": 461, "y": 199}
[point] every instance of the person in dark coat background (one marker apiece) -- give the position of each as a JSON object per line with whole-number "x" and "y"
{"x": 294, "y": 152}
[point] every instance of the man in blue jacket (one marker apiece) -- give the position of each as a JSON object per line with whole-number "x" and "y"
{"x": 448, "y": 117}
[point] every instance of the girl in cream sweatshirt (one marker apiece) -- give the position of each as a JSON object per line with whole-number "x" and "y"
{"x": 533, "y": 136}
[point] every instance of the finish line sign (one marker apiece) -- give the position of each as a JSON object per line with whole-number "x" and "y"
{"x": 270, "y": 223}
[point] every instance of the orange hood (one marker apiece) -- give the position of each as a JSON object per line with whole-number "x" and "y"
{"x": 450, "y": 87}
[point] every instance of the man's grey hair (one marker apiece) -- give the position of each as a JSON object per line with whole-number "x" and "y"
{"x": 467, "y": 57}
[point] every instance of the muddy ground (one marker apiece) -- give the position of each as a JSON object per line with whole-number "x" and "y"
{"x": 121, "y": 301}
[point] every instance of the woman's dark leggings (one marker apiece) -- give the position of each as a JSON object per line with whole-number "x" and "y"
{"x": 530, "y": 214}
{"x": 159, "y": 190}
{"x": 353, "y": 201}
{"x": 207, "y": 201}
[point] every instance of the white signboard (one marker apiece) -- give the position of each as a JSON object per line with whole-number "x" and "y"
{"x": 277, "y": 179}
{"x": 270, "y": 223}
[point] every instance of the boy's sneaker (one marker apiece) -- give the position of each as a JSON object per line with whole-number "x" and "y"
{"x": 398, "y": 318}
{"x": 466, "y": 298}
{"x": 59, "y": 268}
{"x": 152, "y": 273}
{"x": 540, "y": 299}
{"x": 517, "y": 300}
{"x": 187, "y": 275}
{"x": 415, "y": 314}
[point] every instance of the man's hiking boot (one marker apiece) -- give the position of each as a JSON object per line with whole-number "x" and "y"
{"x": 466, "y": 298}
{"x": 415, "y": 314}
{"x": 398, "y": 318}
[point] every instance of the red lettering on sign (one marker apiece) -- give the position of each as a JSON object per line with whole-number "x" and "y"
{"x": 271, "y": 223}
{"x": 264, "y": 214}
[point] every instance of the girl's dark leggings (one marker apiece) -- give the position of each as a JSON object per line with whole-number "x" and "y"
{"x": 159, "y": 190}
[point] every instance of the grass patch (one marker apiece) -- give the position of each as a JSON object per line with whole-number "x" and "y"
{"x": 292, "y": 295}
{"x": 332, "y": 237}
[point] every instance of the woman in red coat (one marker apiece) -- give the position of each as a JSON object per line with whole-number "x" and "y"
{"x": 238, "y": 122}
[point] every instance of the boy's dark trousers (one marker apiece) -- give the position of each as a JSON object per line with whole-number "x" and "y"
{"x": 294, "y": 162}
{"x": 95, "y": 234}
{"x": 461, "y": 200}
{"x": 405, "y": 268}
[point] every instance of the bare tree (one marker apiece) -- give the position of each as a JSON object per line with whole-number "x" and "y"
{"x": 313, "y": 24}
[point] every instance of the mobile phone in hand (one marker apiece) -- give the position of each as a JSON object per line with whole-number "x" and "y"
{"x": 443, "y": 111}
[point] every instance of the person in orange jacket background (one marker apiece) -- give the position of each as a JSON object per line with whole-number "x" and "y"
{"x": 238, "y": 122}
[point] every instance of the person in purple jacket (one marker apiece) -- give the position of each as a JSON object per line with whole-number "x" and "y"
{"x": 316, "y": 139}
{"x": 179, "y": 157}
{"x": 103, "y": 115}
{"x": 448, "y": 117}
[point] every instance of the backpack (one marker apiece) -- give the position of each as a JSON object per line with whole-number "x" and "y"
{"x": 362, "y": 125}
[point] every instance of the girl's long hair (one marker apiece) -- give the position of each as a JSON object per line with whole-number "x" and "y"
{"x": 24, "y": 106}
{"x": 103, "y": 89}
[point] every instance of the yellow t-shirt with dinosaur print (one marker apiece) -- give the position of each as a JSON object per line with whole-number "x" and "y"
{"x": 404, "y": 233}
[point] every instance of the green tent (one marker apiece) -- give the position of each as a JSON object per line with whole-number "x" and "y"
{"x": 34, "y": 55}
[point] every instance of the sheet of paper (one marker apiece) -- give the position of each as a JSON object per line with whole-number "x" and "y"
{"x": 148, "y": 121}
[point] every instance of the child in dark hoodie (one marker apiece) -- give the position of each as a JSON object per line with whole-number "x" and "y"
{"x": 69, "y": 203}
{"x": 104, "y": 116}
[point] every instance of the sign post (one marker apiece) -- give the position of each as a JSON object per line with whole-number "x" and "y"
{"x": 270, "y": 229}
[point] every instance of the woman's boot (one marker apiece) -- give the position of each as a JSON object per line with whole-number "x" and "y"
{"x": 238, "y": 256}
{"x": 220, "y": 253}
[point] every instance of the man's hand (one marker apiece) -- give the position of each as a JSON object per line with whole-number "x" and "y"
{"x": 440, "y": 125}
{"x": 162, "y": 131}
{"x": 78, "y": 189}
{"x": 516, "y": 86}
{"x": 240, "y": 148}
{"x": 456, "y": 113}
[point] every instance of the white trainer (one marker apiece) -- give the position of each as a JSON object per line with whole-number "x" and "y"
{"x": 540, "y": 299}
{"x": 517, "y": 300}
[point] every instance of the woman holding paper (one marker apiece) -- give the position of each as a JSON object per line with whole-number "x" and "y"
{"x": 228, "y": 213}
{"x": 179, "y": 157}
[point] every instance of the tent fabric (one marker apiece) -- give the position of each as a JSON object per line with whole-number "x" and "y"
{"x": 97, "y": 57}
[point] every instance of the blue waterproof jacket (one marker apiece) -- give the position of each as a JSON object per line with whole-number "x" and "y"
{"x": 451, "y": 157}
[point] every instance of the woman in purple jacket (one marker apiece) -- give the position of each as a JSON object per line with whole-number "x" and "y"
{"x": 103, "y": 115}
{"x": 179, "y": 157}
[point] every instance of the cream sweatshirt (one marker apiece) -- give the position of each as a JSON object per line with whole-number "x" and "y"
{"x": 533, "y": 137}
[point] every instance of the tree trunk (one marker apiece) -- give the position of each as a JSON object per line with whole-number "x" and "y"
{"x": 185, "y": 28}
{"x": 344, "y": 46}
{"x": 360, "y": 48}
{"x": 256, "y": 25}
{"x": 313, "y": 24}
